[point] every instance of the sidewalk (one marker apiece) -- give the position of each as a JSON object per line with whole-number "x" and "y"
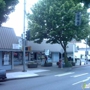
{"x": 21, "y": 74}
{"x": 17, "y": 73}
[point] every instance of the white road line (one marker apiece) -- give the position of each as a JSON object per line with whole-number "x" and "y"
{"x": 79, "y": 75}
{"x": 64, "y": 74}
{"x": 81, "y": 81}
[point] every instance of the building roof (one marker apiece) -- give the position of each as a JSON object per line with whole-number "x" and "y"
{"x": 7, "y": 38}
{"x": 44, "y": 46}
{"x": 47, "y": 46}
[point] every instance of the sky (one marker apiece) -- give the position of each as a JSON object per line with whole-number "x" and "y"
{"x": 15, "y": 20}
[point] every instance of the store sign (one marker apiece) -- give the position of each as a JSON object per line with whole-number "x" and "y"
{"x": 46, "y": 52}
{"x": 16, "y": 46}
{"x": 20, "y": 43}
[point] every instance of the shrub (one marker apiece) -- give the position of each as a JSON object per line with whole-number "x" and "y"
{"x": 68, "y": 64}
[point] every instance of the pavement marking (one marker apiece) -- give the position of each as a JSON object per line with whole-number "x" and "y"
{"x": 79, "y": 75}
{"x": 81, "y": 81}
{"x": 64, "y": 74}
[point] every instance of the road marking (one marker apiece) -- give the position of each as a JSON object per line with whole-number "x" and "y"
{"x": 79, "y": 75}
{"x": 81, "y": 81}
{"x": 64, "y": 74}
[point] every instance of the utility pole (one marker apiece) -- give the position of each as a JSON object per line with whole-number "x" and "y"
{"x": 86, "y": 53}
{"x": 73, "y": 41}
{"x": 24, "y": 61}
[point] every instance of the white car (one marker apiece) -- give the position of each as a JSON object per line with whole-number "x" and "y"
{"x": 2, "y": 75}
{"x": 81, "y": 61}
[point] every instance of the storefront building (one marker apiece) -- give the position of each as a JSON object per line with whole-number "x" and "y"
{"x": 11, "y": 53}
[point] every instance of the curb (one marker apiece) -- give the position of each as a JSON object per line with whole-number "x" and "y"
{"x": 23, "y": 77}
{"x": 16, "y": 78}
{"x": 80, "y": 66}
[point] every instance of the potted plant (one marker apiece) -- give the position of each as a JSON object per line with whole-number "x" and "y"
{"x": 32, "y": 64}
{"x": 48, "y": 63}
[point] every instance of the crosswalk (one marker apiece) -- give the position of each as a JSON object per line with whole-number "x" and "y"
{"x": 64, "y": 74}
{"x": 70, "y": 73}
{"x": 75, "y": 75}
{"x": 84, "y": 80}
{"x": 78, "y": 75}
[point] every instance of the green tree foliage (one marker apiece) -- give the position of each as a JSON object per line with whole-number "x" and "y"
{"x": 28, "y": 35}
{"x": 55, "y": 21}
{"x": 86, "y": 2}
{"x": 6, "y": 7}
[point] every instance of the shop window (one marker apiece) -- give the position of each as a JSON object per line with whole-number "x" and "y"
{"x": 35, "y": 55}
{"x": 20, "y": 56}
{"x": 15, "y": 55}
{"x": 6, "y": 58}
{"x": 27, "y": 56}
{"x": 39, "y": 55}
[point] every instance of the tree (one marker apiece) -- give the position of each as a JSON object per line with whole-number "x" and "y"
{"x": 6, "y": 7}
{"x": 86, "y": 2}
{"x": 55, "y": 21}
{"x": 28, "y": 35}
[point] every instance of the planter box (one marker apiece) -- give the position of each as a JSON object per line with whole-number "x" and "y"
{"x": 48, "y": 64}
{"x": 32, "y": 65}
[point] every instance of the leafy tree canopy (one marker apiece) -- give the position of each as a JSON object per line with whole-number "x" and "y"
{"x": 6, "y": 7}
{"x": 86, "y": 2}
{"x": 55, "y": 21}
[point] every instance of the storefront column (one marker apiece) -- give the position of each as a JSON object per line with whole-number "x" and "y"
{"x": 29, "y": 56}
{"x": 12, "y": 64}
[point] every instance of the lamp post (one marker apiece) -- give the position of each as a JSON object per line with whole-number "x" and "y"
{"x": 24, "y": 62}
{"x": 73, "y": 52}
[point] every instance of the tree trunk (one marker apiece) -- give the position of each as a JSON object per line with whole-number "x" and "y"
{"x": 65, "y": 57}
{"x": 67, "y": 63}
{"x": 64, "y": 45}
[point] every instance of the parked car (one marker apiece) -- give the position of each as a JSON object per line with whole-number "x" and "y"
{"x": 2, "y": 75}
{"x": 81, "y": 61}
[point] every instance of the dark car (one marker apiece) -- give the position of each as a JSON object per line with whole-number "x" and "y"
{"x": 2, "y": 75}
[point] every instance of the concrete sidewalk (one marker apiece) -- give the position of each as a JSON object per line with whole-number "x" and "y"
{"x": 17, "y": 73}
{"x": 20, "y": 74}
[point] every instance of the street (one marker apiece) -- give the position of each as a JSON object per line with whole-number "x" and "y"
{"x": 71, "y": 79}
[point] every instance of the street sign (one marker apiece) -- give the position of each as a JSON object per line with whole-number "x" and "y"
{"x": 78, "y": 19}
{"x": 46, "y": 52}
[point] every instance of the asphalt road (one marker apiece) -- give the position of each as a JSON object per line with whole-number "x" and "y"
{"x": 71, "y": 79}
